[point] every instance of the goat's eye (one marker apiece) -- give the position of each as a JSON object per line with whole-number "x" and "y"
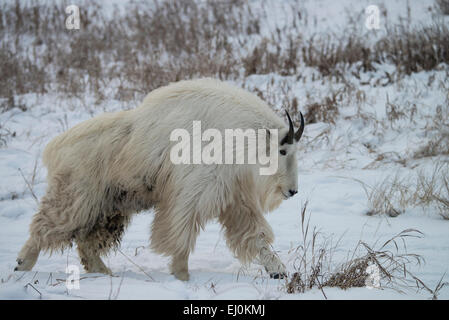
{"x": 283, "y": 152}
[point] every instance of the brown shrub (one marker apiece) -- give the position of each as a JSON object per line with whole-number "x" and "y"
{"x": 325, "y": 111}
{"x": 148, "y": 46}
{"x": 414, "y": 50}
{"x": 443, "y": 6}
{"x": 154, "y": 43}
{"x": 314, "y": 267}
{"x": 326, "y": 54}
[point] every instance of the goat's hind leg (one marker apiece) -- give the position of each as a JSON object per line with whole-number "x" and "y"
{"x": 104, "y": 236}
{"x": 175, "y": 242}
{"x": 179, "y": 267}
{"x": 90, "y": 258}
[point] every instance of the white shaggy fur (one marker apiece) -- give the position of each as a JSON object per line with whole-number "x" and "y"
{"x": 105, "y": 169}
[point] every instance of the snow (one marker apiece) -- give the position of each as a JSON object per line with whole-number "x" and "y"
{"x": 337, "y": 206}
{"x": 328, "y": 169}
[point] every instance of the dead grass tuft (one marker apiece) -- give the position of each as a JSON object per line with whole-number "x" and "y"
{"x": 325, "y": 111}
{"x": 330, "y": 57}
{"x": 443, "y": 6}
{"x": 393, "y": 195}
{"x": 155, "y": 43}
{"x": 377, "y": 268}
{"x": 436, "y": 146}
{"x": 387, "y": 266}
{"x": 415, "y": 50}
{"x": 388, "y": 197}
{"x": 434, "y": 189}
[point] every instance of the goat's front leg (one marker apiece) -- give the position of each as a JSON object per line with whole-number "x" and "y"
{"x": 249, "y": 236}
{"x": 269, "y": 259}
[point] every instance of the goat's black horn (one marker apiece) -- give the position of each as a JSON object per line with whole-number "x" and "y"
{"x": 291, "y": 132}
{"x": 298, "y": 133}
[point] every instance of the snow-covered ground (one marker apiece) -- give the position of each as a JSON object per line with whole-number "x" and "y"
{"x": 331, "y": 159}
{"x": 336, "y": 205}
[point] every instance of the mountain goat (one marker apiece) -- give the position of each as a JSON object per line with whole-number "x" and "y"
{"x": 105, "y": 169}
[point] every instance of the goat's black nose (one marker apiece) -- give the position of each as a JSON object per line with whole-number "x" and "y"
{"x": 292, "y": 192}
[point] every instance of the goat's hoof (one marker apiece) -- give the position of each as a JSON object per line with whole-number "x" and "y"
{"x": 182, "y": 275}
{"x": 277, "y": 275}
{"x": 21, "y": 266}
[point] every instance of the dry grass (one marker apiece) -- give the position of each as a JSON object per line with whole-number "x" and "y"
{"x": 269, "y": 56}
{"x": 389, "y": 197}
{"x": 412, "y": 50}
{"x": 326, "y": 111}
{"x": 149, "y": 46}
{"x": 312, "y": 258}
{"x": 394, "y": 112}
{"x": 434, "y": 189}
{"x": 155, "y": 43}
{"x": 5, "y": 135}
{"x": 285, "y": 54}
{"x": 391, "y": 264}
{"x": 437, "y": 132}
{"x": 437, "y": 145}
{"x": 327, "y": 53}
{"x": 379, "y": 266}
{"x": 392, "y": 196}
{"x": 443, "y": 200}
{"x": 31, "y": 180}
{"x": 443, "y": 6}
{"x": 19, "y": 75}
